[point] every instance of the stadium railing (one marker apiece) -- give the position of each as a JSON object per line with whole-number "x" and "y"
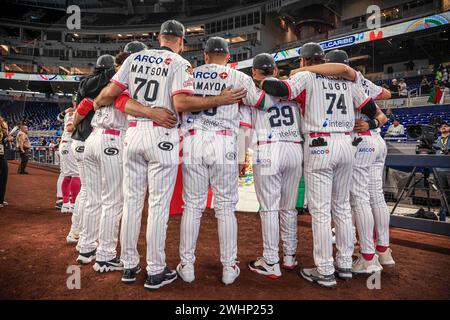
{"x": 42, "y": 155}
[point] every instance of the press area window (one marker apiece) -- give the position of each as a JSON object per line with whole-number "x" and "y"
{"x": 244, "y": 20}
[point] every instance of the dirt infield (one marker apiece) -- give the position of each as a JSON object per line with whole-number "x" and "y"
{"x": 34, "y": 258}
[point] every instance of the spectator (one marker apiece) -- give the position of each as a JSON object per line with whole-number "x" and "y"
{"x": 4, "y": 142}
{"x": 394, "y": 88}
{"x": 23, "y": 145}
{"x": 390, "y": 115}
{"x": 402, "y": 89}
{"x": 438, "y": 75}
{"x": 395, "y": 129}
{"x": 442, "y": 145}
{"x": 444, "y": 75}
{"x": 43, "y": 142}
{"x": 425, "y": 86}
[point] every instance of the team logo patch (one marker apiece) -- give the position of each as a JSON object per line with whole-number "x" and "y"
{"x": 189, "y": 70}
{"x": 223, "y": 75}
{"x": 165, "y": 145}
{"x": 65, "y": 152}
{"x": 111, "y": 151}
{"x": 167, "y": 61}
{"x": 79, "y": 149}
{"x": 231, "y": 155}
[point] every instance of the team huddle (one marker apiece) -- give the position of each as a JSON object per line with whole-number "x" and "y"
{"x": 134, "y": 114}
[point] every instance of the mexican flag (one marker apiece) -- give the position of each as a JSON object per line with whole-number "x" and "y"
{"x": 436, "y": 95}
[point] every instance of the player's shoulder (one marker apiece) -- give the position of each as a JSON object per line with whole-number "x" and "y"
{"x": 303, "y": 75}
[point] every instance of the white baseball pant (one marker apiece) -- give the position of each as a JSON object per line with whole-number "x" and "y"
{"x": 277, "y": 172}
{"x": 103, "y": 170}
{"x": 359, "y": 191}
{"x": 328, "y": 174}
{"x": 59, "y": 183}
{"x": 377, "y": 202}
{"x": 77, "y": 215}
{"x": 210, "y": 158}
{"x": 151, "y": 157}
{"x": 68, "y": 164}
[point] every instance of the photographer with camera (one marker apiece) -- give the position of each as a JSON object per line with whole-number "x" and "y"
{"x": 442, "y": 147}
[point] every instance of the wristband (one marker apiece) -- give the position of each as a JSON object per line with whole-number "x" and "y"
{"x": 85, "y": 106}
{"x": 373, "y": 124}
{"x": 121, "y": 101}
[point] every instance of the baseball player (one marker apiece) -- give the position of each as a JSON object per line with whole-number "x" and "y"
{"x": 89, "y": 88}
{"x": 277, "y": 169}
{"x": 210, "y": 157}
{"x": 155, "y": 77}
{"x": 328, "y": 115}
{"x": 70, "y": 185}
{"x": 366, "y": 195}
{"x": 367, "y": 183}
{"x": 103, "y": 177}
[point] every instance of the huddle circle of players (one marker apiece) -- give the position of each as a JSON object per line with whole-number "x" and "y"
{"x": 123, "y": 138}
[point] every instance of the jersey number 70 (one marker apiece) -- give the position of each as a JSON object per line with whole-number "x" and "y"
{"x": 151, "y": 85}
{"x": 339, "y": 105}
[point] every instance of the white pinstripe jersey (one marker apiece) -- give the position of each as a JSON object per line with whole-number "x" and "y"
{"x": 68, "y": 119}
{"x": 327, "y": 105}
{"x": 370, "y": 88}
{"x": 281, "y": 122}
{"x": 210, "y": 80}
{"x": 109, "y": 118}
{"x": 153, "y": 76}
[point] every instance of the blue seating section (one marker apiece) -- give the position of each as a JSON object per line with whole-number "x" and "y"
{"x": 419, "y": 115}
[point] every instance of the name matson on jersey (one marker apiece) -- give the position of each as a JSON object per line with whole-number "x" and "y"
{"x": 210, "y": 80}
{"x": 327, "y": 104}
{"x": 153, "y": 76}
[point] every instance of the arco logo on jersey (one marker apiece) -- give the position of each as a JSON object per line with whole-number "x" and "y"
{"x": 223, "y": 75}
{"x": 207, "y": 75}
{"x": 151, "y": 59}
{"x": 320, "y": 152}
{"x": 366, "y": 150}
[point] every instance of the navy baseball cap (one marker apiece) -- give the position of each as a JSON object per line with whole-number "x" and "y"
{"x": 311, "y": 50}
{"x": 264, "y": 61}
{"x": 217, "y": 45}
{"x": 338, "y": 56}
{"x": 173, "y": 28}
{"x": 134, "y": 46}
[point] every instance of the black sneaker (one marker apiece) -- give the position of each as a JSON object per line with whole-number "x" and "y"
{"x": 158, "y": 280}
{"x": 129, "y": 275}
{"x": 343, "y": 273}
{"x": 106, "y": 266}
{"x": 85, "y": 258}
{"x": 312, "y": 275}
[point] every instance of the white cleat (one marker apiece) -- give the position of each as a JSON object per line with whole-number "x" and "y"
{"x": 230, "y": 274}
{"x": 260, "y": 266}
{"x": 72, "y": 237}
{"x": 363, "y": 266}
{"x": 65, "y": 208}
{"x": 289, "y": 262}
{"x": 385, "y": 258}
{"x": 186, "y": 272}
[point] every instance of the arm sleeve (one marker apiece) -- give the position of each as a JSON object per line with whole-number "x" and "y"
{"x": 276, "y": 88}
{"x": 183, "y": 80}
{"x": 122, "y": 77}
{"x": 362, "y": 102}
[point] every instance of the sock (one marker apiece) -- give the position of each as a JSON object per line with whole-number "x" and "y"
{"x": 368, "y": 256}
{"x": 75, "y": 186}
{"x": 65, "y": 188}
{"x": 382, "y": 248}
